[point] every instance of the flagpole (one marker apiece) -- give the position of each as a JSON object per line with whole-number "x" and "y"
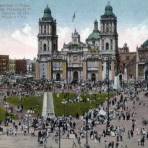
{"x": 73, "y": 21}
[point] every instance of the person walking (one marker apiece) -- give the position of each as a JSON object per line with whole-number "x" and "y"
{"x": 117, "y": 144}
{"x": 74, "y": 144}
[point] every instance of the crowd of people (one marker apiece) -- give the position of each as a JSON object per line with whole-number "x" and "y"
{"x": 90, "y": 126}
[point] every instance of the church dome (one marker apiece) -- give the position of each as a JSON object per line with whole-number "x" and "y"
{"x": 108, "y": 11}
{"x": 47, "y": 13}
{"x": 108, "y": 8}
{"x": 145, "y": 44}
{"x": 47, "y": 10}
{"x": 95, "y": 35}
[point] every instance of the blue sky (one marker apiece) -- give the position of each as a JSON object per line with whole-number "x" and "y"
{"x": 20, "y": 33}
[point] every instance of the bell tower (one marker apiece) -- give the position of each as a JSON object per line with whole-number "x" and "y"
{"x": 47, "y": 45}
{"x": 109, "y": 43}
{"x": 47, "y": 37}
{"x": 109, "y": 35}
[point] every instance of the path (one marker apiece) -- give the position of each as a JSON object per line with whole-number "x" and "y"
{"x": 48, "y": 106}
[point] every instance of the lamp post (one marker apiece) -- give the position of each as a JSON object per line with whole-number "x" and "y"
{"x": 59, "y": 134}
{"x": 86, "y": 126}
{"x": 107, "y": 78}
{"x": 135, "y": 85}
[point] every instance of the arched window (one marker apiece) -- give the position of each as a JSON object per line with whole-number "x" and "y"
{"x": 111, "y": 42}
{"x": 44, "y": 47}
{"x": 43, "y": 76}
{"x": 54, "y": 46}
{"x": 102, "y": 44}
{"x": 120, "y": 77}
{"x": 44, "y": 29}
{"x": 107, "y": 46}
{"x": 107, "y": 28}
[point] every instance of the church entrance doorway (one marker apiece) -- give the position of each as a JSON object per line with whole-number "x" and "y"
{"x": 93, "y": 77}
{"x": 58, "y": 77}
{"x": 146, "y": 75}
{"x": 75, "y": 77}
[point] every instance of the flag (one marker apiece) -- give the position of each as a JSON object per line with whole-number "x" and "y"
{"x": 74, "y": 16}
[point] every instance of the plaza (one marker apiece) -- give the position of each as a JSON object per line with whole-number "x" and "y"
{"x": 85, "y": 95}
{"x": 137, "y": 108}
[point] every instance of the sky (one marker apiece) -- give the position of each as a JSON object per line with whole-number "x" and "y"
{"x": 19, "y": 22}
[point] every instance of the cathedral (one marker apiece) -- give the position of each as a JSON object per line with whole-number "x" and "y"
{"x": 93, "y": 60}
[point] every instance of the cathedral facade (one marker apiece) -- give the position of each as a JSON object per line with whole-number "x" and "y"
{"x": 78, "y": 61}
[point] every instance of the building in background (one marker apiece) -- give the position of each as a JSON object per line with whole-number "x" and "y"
{"x": 141, "y": 60}
{"x": 127, "y": 63}
{"x": 30, "y": 66}
{"x": 77, "y": 61}
{"x": 4, "y": 64}
{"x": 12, "y": 66}
{"x": 21, "y": 66}
{"x": 93, "y": 39}
{"x": 33, "y": 66}
{"x": 134, "y": 65}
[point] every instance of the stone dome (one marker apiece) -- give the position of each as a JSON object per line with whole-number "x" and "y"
{"x": 145, "y": 44}
{"x": 47, "y": 14}
{"x": 108, "y": 8}
{"x": 47, "y": 10}
{"x": 108, "y": 11}
{"x": 95, "y": 35}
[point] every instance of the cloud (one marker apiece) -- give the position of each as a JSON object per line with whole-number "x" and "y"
{"x": 85, "y": 33}
{"x": 14, "y": 49}
{"x": 25, "y": 36}
{"x": 133, "y": 35}
{"x": 64, "y": 35}
{"x": 19, "y": 43}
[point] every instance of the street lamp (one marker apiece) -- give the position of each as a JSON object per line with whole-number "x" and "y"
{"x": 59, "y": 125}
{"x": 86, "y": 126}
{"x": 107, "y": 78}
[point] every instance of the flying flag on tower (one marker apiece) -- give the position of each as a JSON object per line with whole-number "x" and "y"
{"x": 74, "y": 16}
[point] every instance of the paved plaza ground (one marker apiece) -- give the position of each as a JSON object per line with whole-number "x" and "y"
{"x": 31, "y": 142}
